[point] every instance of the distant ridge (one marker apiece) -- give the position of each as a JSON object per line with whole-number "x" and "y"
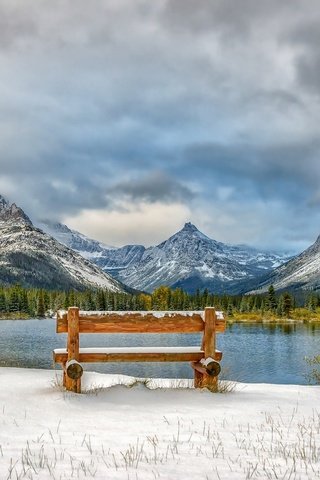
{"x": 301, "y": 272}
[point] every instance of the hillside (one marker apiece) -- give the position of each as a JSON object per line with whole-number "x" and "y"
{"x": 32, "y": 258}
{"x": 301, "y": 272}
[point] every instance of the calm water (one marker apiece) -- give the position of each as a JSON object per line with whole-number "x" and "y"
{"x": 251, "y": 353}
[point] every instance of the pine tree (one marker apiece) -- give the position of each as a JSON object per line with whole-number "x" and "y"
{"x": 271, "y": 299}
{"x": 14, "y": 304}
{"x": 230, "y": 310}
{"x": 72, "y": 300}
{"x": 24, "y": 303}
{"x": 280, "y": 307}
{"x": 41, "y": 309}
{"x": 287, "y": 304}
{"x": 243, "y": 305}
{"x": 101, "y": 300}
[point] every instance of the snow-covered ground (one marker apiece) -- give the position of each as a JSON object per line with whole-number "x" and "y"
{"x": 124, "y": 429}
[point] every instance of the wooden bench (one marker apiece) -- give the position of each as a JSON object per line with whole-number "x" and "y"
{"x": 204, "y": 359}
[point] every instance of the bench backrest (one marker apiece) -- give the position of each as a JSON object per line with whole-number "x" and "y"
{"x": 140, "y": 322}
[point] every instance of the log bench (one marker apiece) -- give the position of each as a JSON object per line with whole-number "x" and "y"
{"x": 204, "y": 359}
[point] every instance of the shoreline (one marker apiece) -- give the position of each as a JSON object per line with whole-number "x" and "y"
{"x": 229, "y": 320}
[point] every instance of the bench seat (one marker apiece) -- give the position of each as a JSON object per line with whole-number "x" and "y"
{"x": 135, "y": 354}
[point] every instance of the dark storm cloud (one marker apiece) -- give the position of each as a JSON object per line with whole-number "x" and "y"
{"x": 212, "y": 105}
{"x": 154, "y": 187}
{"x": 261, "y": 173}
{"x": 305, "y": 37}
{"x": 225, "y": 16}
{"x": 15, "y": 26}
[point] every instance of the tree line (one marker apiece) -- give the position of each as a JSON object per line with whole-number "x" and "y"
{"x": 16, "y": 300}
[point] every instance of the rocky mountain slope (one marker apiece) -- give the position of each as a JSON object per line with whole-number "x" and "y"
{"x": 189, "y": 259}
{"x": 33, "y": 258}
{"x": 301, "y": 272}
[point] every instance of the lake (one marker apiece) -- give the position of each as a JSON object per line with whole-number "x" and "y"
{"x": 251, "y": 352}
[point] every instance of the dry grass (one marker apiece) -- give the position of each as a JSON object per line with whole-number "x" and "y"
{"x": 282, "y": 447}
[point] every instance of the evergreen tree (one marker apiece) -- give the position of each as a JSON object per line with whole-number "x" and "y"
{"x": 243, "y": 305}
{"x": 72, "y": 299}
{"x": 287, "y": 304}
{"x": 24, "y": 302}
{"x": 280, "y": 306}
{"x": 14, "y": 304}
{"x": 41, "y": 309}
{"x": 100, "y": 300}
{"x": 271, "y": 299}
{"x": 3, "y": 307}
{"x": 66, "y": 304}
{"x": 230, "y": 310}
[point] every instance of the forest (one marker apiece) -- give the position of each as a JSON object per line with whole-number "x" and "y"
{"x": 19, "y": 302}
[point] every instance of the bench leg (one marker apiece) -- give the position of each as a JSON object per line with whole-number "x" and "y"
{"x": 211, "y": 383}
{"x": 205, "y": 381}
{"x": 73, "y": 385}
{"x": 197, "y": 379}
{"x": 70, "y": 384}
{"x": 64, "y": 373}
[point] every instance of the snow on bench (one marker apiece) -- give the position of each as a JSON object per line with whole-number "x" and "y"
{"x": 143, "y": 313}
{"x": 135, "y": 354}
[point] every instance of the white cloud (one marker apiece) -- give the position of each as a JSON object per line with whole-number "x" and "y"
{"x": 142, "y": 223}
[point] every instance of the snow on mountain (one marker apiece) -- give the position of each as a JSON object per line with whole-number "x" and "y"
{"x": 110, "y": 259}
{"x": 189, "y": 259}
{"x": 87, "y": 247}
{"x": 33, "y": 258}
{"x": 302, "y": 271}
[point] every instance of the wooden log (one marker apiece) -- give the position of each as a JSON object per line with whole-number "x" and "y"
{"x": 218, "y": 356}
{"x": 96, "y": 357}
{"x": 197, "y": 379}
{"x": 209, "y": 337}
{"x": 74, "y": 369}
{"x": 197, "y": 366}
{"x": 64, "y": 373}
{"x": 72, "y": 384}
{"x": 135, "y": 322}
{"x": 212, "y": 367}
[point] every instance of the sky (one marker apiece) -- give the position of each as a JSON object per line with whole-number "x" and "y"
{"x": 124, "y": 119}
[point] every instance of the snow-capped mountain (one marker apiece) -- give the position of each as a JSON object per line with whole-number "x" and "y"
{"x": 301, "y": 272}
{"x": 189, "y": 259}
{"x": 110, "y": 259}
{"x": 89, "y": 248}
{"x": 33, "y": 258}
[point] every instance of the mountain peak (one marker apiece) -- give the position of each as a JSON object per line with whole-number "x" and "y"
{"x": 191, "y": 230}
{"x": 4, "y": 204}
{"x": 189, "y": 227}
{"x": 12, "y": 213}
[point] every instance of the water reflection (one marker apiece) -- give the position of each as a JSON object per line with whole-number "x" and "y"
{"x": 270, "y": 352}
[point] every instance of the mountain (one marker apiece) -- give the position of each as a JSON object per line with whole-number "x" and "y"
{"x": 35, "y": 259}
{"x": 110, "y": 259}
{"x": 188, "y": 259}
{"x": 301, "y": 272}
